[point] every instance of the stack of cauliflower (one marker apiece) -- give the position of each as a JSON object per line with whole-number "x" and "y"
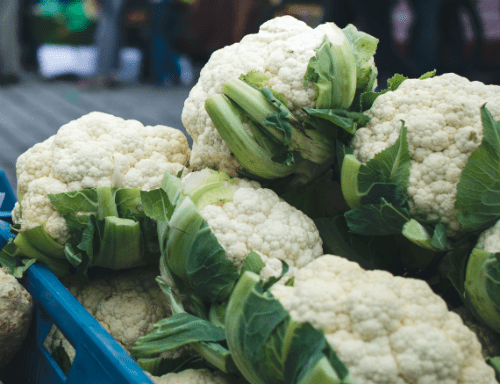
{"x": 386, "y": 329}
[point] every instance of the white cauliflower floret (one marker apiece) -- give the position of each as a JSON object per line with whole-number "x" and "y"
{"x": 38, "y": 209}
{"x": 33, "y": 164}
{"x": 281, "y": 50}
{"x": 127, "y": 306}
{"x": 274, "y": 268}
{"x": 386, "y": 329}
{"x": 95, "y": 150}
{"x": 255, "y": 219}
{"x": 84, "y": 150}
{"x": 259, "y": 220}
{"x": 443, "y": 118}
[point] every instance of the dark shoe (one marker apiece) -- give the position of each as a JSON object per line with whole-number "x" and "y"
{"x": 9, "y": 79}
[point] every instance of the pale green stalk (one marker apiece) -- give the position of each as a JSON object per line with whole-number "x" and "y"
{"x": 251, "y": 156}
{"x": 233, "y": 328}
{"x": 25, "y": 247}
{"x": 106, "y": 203}
{"x": 121, "y": 245}
{"x": 308, "y": 143}
{"x": 183, "y": 227}
{"x": 349, "y": 181}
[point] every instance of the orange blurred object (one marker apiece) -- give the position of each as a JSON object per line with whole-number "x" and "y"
{"x": 137, "y": 17}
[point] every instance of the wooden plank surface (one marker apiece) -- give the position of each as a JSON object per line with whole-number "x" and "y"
{"x": 35, "y": 109}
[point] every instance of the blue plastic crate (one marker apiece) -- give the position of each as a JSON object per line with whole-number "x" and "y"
{"x": 99, "y": 358}
{"x": 7, "y": 198}
{"x": 5, "y": 233}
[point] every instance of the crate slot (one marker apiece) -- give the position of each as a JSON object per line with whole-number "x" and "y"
{"x": 60, "y": 349}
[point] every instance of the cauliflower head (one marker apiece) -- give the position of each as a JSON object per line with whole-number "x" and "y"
{"x": 281, "y": 50}
{"x": 444, "y": 124}
{"x": 258, "y": 219}
{"x": 16, "y": 309}
{"x": 195, "y": 376}
{"x": 95, "y": 150}
{"x": 385, "y": 329}
{"x": 127, "y": 306}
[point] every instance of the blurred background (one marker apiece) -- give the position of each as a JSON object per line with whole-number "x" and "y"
{"x": 138, "y": 59}
{"x": 462, "y": 36}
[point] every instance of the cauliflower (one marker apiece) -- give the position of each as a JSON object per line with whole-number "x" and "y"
{"x": 258, "y": 219}
{"x": 195, "y": 376}
{"x": 127, "y": 306}
{"x": 385, "y": 329}
{"x": 444, "y": 124}
{"x": 16, "y": 309}
{"x": 208, "y": 226}
{"x": 281, "y": 51}
{"x": 95, "y": 150}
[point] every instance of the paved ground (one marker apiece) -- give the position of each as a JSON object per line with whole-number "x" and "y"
{"x": 35, "y": 109}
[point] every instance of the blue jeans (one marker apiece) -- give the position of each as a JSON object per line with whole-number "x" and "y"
{"x": 107, "y": 37}
{"x": 10, "y": 46}
{"x": 425, "y": 35}
{"x": 166, "y": 65}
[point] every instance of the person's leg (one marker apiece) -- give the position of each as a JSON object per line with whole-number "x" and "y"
{"x": 375, "y": 18}
{"x": 165, "y": 60}
{"x": 338, "y": 11}
{"x": 425, "y": 36}
{"x": 107, "y": 38}
{"x": 10, "y": 51}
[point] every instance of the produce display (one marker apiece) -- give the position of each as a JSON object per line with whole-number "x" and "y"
{"x": 323, "y": 228}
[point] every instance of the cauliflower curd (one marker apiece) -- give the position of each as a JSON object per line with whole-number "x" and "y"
{"x": 127, "y": 306}
{"x": 443, "y": 118}
{"x": 258, "y": 219}
{"x": 385, "y": 329}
